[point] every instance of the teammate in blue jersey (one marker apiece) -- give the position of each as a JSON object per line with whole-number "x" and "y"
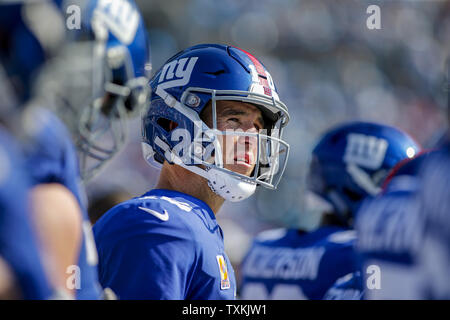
{"x": 22, "y": 275}
{"x": 390, "y": 235}
{"x": 287, "y": 264}
{"x": 95, "y": 76}
{"x": 215, "y": 125}
{"x": 385, "y": 223}
{"x": 348, "y": 164}
{"x": 433, "y": 205}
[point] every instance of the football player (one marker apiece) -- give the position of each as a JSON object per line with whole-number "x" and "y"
{"x": 95, "y": 76}
{"x": 214, "y": 127}
{"x": 348, "y": 164}
{"x": 376, "y": 213}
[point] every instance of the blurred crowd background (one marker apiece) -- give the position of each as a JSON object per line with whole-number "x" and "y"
{"x": 328, "y": 66}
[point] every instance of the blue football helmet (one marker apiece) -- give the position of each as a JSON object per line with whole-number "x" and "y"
{"x": 99, "y": 77}
{"x": 350, "y": 162}
{"x": 405, "y": 174}
{"x": 194, "y": 79}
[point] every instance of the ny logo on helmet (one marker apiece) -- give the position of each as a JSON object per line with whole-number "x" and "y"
{"x": 365, "y": 151}
{"x": 178, "y": 70}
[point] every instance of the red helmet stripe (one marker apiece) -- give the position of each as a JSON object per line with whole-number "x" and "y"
{"x": 259, "y": 67}
{"x": 261, "y": 72}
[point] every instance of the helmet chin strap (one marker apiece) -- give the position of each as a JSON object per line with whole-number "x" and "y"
{"x": 229, "y": 187}
{"x": 224, "y": 185}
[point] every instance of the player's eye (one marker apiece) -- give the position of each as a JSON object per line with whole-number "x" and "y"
{"x": 234, "y": 121}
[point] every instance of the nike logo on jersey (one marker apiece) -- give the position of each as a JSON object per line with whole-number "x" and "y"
{"x": 162, "y": 216}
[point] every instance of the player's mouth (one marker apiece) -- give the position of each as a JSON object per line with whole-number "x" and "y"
{"x": 243, "y": 163}
{"x": 243, "y": 159}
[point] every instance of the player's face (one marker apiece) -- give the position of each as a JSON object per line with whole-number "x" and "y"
{"x": 239, "y": 152}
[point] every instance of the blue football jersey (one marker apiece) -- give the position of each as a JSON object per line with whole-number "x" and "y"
{"x": 389, "y": 231}
{"x": 51, "y": 158}
{"x": 434, "y": 208}
{"x": 163, "y": 245}
{"x": 18, "y": 241}
{"x": 349, "y": 287}
{"x": 287, "y": 264}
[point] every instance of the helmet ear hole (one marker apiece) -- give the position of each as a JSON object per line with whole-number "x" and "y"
{"x": 129, "y": 103}
{"x": 166, "y": 124}
{"x": 354, "y": 196}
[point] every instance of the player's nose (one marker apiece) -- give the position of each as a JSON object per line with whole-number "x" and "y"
{"x": 250, "y": 140}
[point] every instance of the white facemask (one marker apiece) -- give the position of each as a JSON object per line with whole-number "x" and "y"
{"x": 228, "y": 187}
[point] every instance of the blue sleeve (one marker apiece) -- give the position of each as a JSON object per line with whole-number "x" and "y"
{"x": 434, "y": 197}
{"x": 156, "y": 265}
{"x": 335, "y": 264}
{"x": 433, "y": 255}
{"x": 50, "y": 157}
{"x": 18, "y": 241}
{"x": 50, "y": 154}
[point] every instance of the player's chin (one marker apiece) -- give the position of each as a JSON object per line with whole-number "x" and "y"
{"x": 241, "y": 167}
